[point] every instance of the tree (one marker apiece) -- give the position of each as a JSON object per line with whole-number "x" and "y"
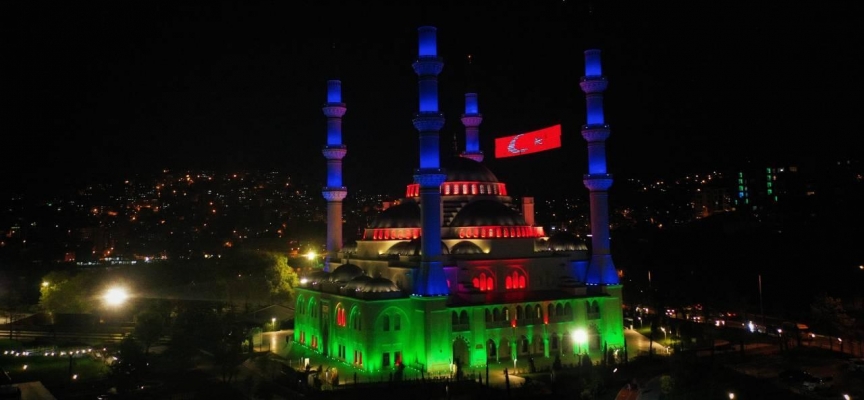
{"x": 830, "y": 317}
{"x": 63, "y": 292}
{"x": 149, "y": 326}
{"x": 130, "y": 365}
{"x": 281, "y": 278}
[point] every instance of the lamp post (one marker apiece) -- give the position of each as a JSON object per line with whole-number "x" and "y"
{"x": 115, "y": 297}
{"x": 664, "y": 333}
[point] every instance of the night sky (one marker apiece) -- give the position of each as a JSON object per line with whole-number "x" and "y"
{"x": 102, "y": 90}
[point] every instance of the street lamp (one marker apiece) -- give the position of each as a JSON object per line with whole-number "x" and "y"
{"x": 664, "y": 333}
{"x": 115, "y": 296}
{"x": 273, "y": 323}
{"x": 731, "y": 396}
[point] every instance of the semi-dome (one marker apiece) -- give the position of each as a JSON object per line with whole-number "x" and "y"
{"x": 405, "y": 248}
{"x": 345, "y": 273}
{"x": 403, "y": 215}
{"x": 565, "y": 241}
{"x": 487, "y": 213}
{"x": 461, "y": 169}
{"x": 466, "y": 248}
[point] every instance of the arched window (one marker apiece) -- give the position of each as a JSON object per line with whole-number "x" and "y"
{"x": 397, "y": 322}
{"x": 550, "y": 310}
{"x": 519, "y": 314}
{"x": 463, "y": 318}
{"x": 559, "y": 310}
{"x": 568, "y": 311}
{"x": 356, "y": 321}
{"x": 496, "y": 315}
{"x": 488, "y": 316}
{"x": 340, "y": 316}
{"x": 385, "y": 322}
{"x": 483, "y": 282}
{"x": 515, "y": 280}
{"x": 454, "y": 318}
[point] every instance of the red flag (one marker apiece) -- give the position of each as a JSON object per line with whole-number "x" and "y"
{"x": 527, "y": 143}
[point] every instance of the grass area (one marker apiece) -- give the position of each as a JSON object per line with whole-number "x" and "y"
{"x": 55, "y": 369}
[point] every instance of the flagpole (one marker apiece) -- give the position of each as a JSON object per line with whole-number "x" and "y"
{"x": 761, "y": 309}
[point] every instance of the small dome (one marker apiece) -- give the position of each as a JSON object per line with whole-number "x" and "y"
{"x": 403, "y": 215}
{"x": 379, "y": 285}
{"x": 345, "y": 273}
{"x": 318, "y": 276}
{"x": 461, "y": 169}
{"x": 358, "y": 283}
{"x": 350, "y": 247}
{"x": 565, "y": 241}
{"x": 465, "y": 248}
{"x": 487, "y": 213}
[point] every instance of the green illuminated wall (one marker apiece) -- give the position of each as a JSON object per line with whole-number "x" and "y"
{"x": 428, "y": 336}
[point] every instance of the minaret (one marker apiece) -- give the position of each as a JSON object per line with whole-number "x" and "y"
{"x": 334, "y": 151}
{"x": 601, "y": 270}
{"x": 428, "y": 121}
{"x": 472, "y": 119}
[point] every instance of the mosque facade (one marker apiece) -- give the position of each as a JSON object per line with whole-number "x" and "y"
{"x": 456, "y": 273}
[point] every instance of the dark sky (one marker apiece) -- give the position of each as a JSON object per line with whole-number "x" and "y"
{"x": 99, "y": 90}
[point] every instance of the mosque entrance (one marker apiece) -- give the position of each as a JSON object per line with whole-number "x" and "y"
{"x": 461, "y": 357}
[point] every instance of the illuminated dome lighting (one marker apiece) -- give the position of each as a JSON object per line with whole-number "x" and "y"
{"x": 345, "y": 273}
{"x": 411, "y": 248}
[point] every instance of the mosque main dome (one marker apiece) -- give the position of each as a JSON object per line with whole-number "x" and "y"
{"x": 472, "y": 199}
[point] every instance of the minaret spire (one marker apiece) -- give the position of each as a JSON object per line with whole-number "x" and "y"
{"x": 428, "y": 122}
{"x": 334, "y": 151}
{"x": 601, "y": 270}
{"x": 472, "y": 119}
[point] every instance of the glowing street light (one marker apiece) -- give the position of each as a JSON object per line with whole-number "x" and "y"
{"x": 664, "y": 333}
{"x": 731, "y": 396}
{"x": 115, "y": 296}
{"x": 311, "y": 255}
{"x": 580, "y": 337}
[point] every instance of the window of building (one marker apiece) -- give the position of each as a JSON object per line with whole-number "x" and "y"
{"x": 342, "y": 351}
{"x": 358, "y": 357}
{"x": 397, "y": 322}
{"x": 385, "y": 360}
{"x": 385, "y": 322}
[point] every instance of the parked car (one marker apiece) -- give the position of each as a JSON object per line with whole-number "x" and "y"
{"x": 807, "y": 380}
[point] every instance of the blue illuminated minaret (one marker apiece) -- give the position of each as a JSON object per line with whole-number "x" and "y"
{"x": 428, "y": 121}
{"x": 334, "y": 151}
{"x": 472, "y": 119}
{"x": 601, "y": 270}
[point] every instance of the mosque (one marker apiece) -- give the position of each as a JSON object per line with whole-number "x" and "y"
{"x": 457, "y": 272}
